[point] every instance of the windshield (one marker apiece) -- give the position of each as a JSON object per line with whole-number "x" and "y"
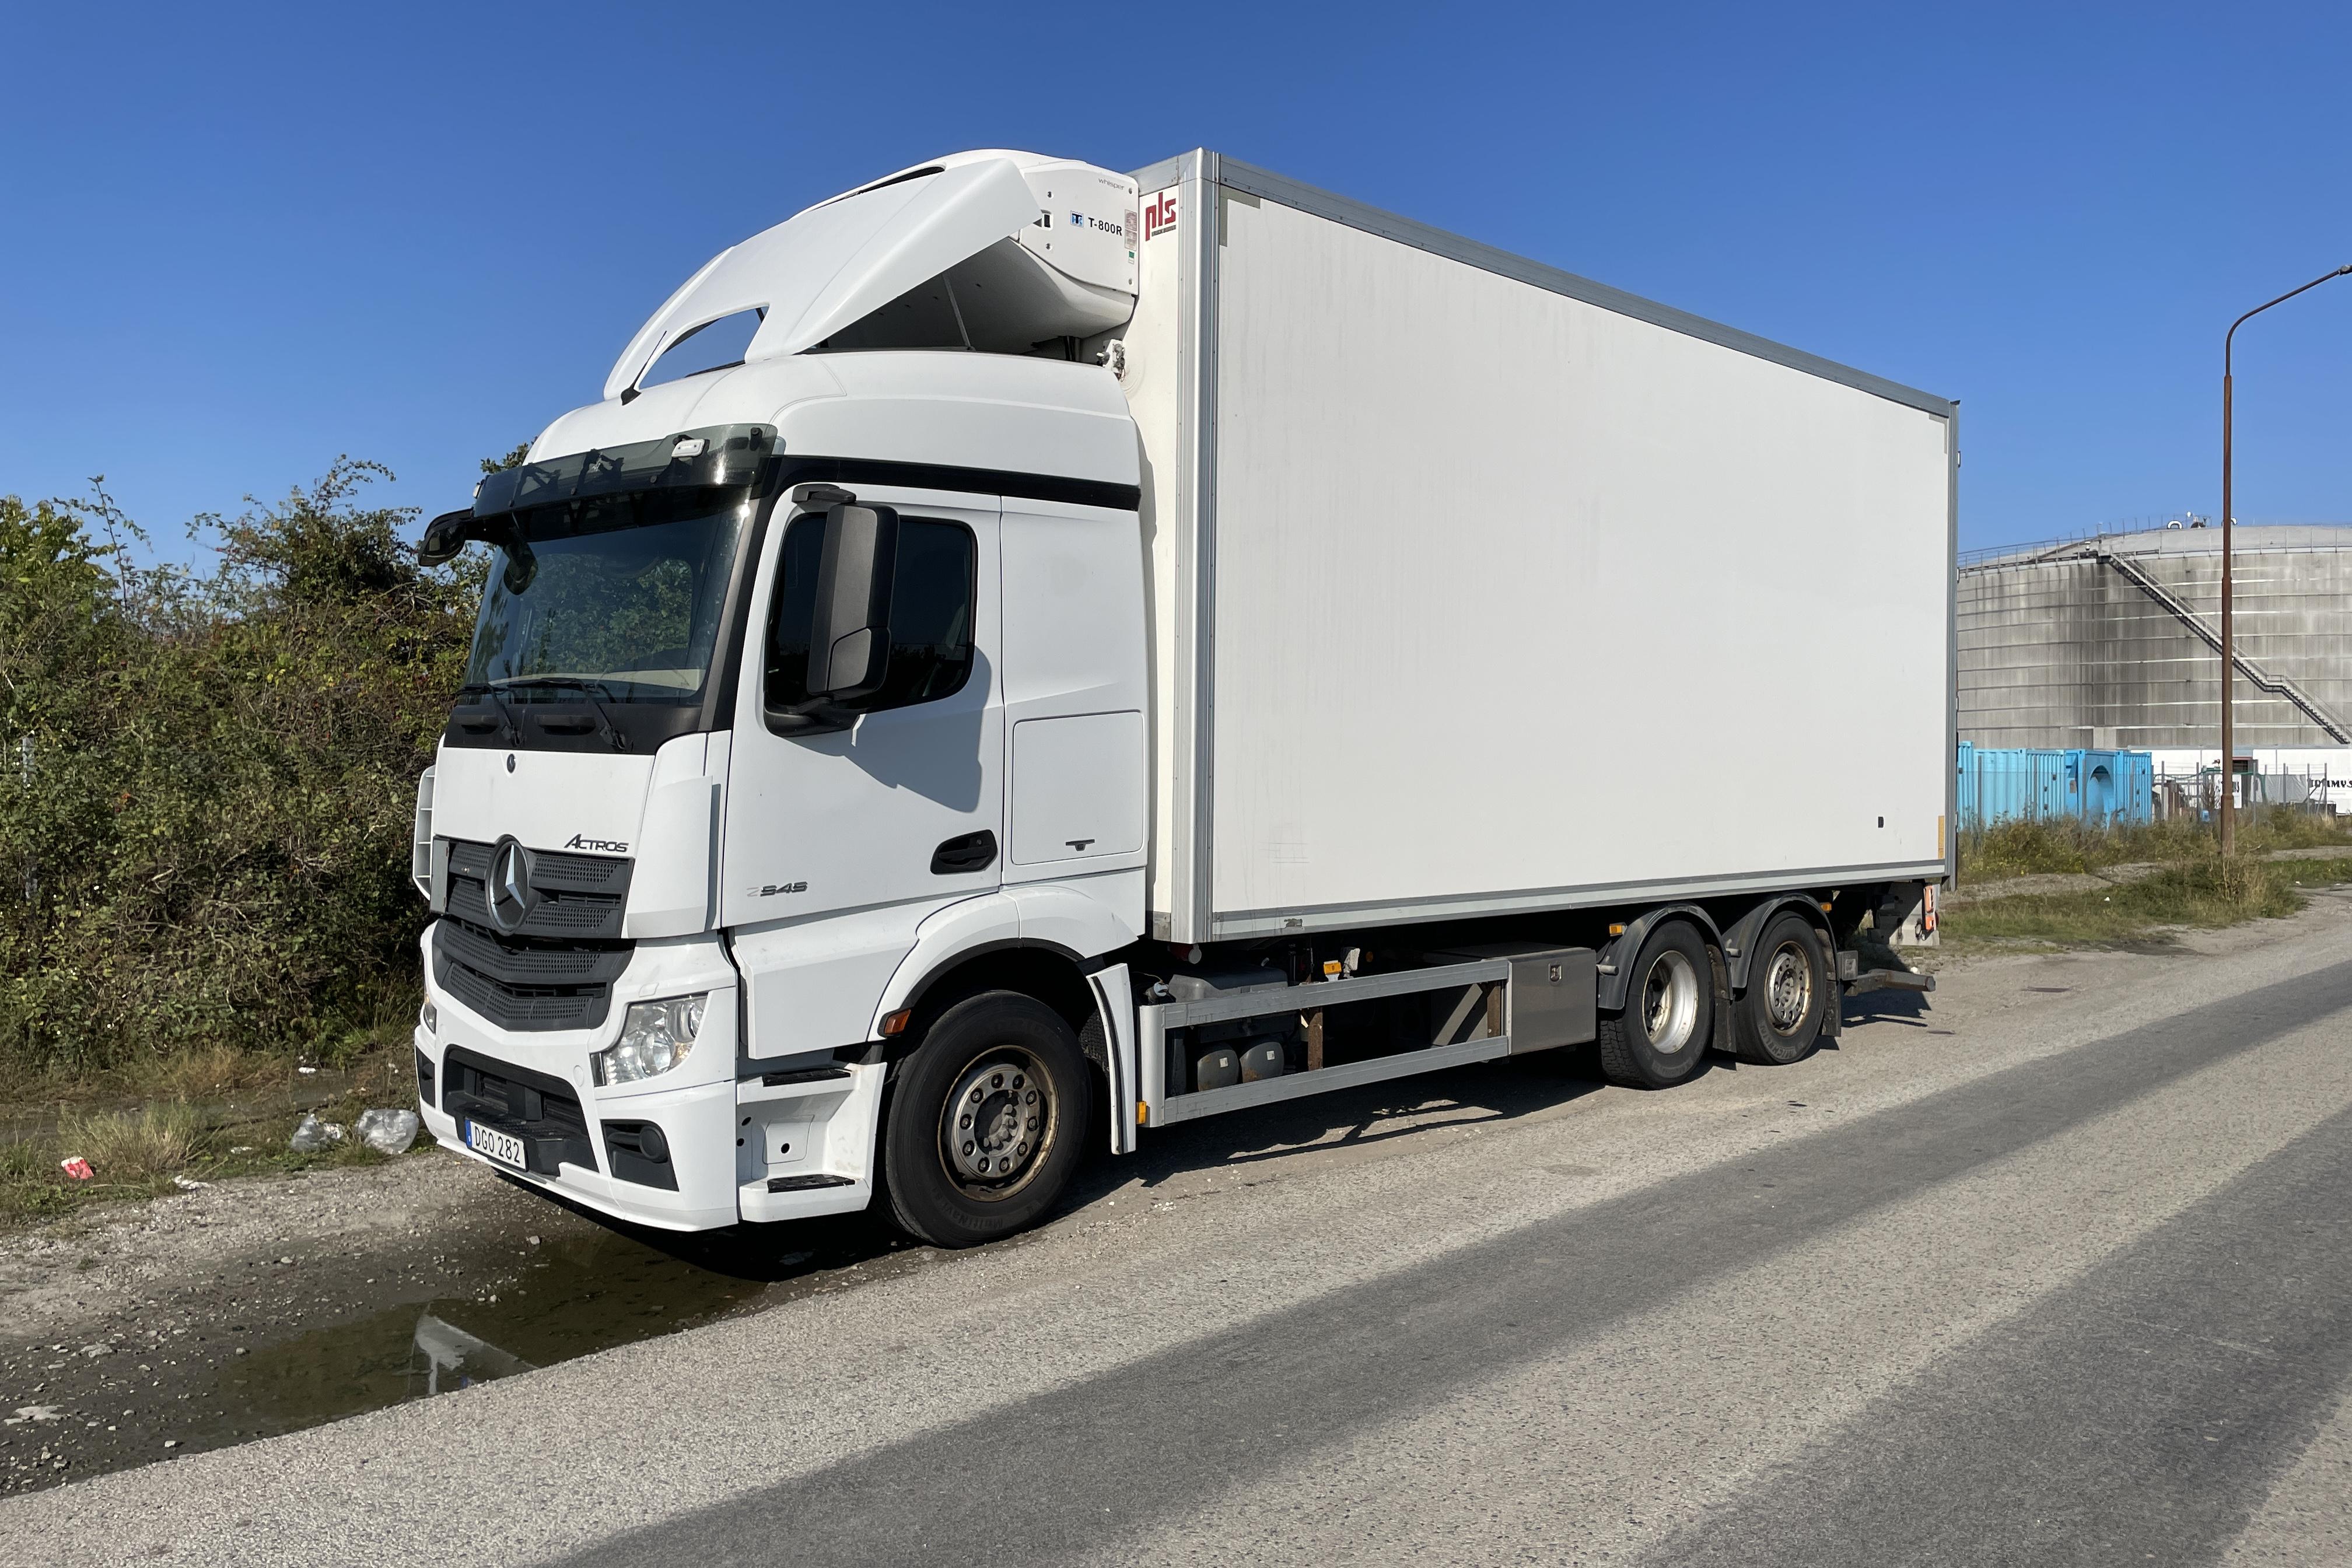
{"x": 622, "y": 595}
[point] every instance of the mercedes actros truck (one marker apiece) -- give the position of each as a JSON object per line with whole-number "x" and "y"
{"x": 1021, "y": 655}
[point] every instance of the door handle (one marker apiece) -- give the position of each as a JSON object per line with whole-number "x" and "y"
{"x": 972, "y": 852}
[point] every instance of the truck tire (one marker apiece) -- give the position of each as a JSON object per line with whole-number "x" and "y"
{"x": 1662, "y": 1034}
{"x": 1777, "y": 1020}
{"x": 986, "y": 1122}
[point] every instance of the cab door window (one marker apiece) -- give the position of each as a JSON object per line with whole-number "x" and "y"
{"x": 932, "y": 589}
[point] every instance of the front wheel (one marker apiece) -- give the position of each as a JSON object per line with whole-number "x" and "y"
{"x": 986, "y": 1120}
{"x": 1658, "y": 1039}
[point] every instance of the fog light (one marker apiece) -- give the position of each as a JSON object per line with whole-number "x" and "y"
{"x": 430, "y": 1019}
{"x": 655, "y": 1037}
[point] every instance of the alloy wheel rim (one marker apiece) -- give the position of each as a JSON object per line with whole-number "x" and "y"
{"x": 1788, "y": 988}
{"x": 1670, "y": 1001}
{"x": 997, "y": 1124}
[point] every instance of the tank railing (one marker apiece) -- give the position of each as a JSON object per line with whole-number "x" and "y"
{"x": 2262, "y": 680}
{"x": 2034, "y": 551}
{"x": 2044, "y": 549}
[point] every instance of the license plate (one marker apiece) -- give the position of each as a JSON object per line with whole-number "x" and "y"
{"x": 503, "y": 1147}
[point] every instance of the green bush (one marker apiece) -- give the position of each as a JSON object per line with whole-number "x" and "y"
{"x": 207, "y": 778}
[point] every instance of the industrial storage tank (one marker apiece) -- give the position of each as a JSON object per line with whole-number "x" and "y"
{"x": 2114, "y": 641}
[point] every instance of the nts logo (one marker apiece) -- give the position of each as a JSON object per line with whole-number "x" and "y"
{"x": 1159, "y": 214}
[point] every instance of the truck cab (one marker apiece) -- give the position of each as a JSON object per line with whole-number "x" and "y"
{"x": 692, "y": 872}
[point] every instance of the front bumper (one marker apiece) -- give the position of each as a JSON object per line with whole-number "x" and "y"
{"x": 697, "y": 1123}
{"x": 728, "y": 1151}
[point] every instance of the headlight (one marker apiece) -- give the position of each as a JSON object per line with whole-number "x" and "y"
{"x": 429, "y": 1018}
{"x": 655, "y": 1037}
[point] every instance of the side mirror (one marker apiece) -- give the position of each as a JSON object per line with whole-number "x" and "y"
{"x": 445, "y": 537}
{"x": 849, "y": 636}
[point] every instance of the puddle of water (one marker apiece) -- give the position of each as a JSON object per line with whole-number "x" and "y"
{"x": 576, "y": 1295}
{"x": 519, "y": 1307}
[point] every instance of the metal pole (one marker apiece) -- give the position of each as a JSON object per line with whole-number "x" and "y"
{"x": 2229, "y": 629}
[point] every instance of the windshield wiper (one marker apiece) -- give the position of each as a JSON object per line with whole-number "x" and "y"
{"x": 507, "y": 720}
{"x": 594, "y": 691}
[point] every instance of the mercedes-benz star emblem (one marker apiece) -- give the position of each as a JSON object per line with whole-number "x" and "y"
{"x": 511, "y": 895}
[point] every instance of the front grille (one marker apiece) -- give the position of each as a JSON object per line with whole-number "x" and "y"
{"x": 526, "y": 985}
{"x": 538, "y": 1107}
{"x": 579, "y": 896}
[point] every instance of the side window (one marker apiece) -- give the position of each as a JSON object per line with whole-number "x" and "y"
{"x": 930, "y": 613}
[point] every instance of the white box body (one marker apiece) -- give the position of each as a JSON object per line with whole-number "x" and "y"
{"x": 1479, "y": 588}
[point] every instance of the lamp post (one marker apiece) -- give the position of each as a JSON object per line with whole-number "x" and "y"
{"x": 2229, "y": 638}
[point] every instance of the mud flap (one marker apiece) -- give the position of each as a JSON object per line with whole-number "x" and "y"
{"x": 1114, "y": 1000}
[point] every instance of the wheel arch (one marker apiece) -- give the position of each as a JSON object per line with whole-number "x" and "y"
{"x": 1048, "y": 971}
{"x": 1616, "y": 957}
{"x": 1616, "y": 961}
{"x": 1739, "y": 937}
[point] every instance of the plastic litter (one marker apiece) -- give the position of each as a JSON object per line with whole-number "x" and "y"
{"x": 189, "y": 1184}
{"x": 312, "y": 1135}
{"x": 387, "y": 1132}
{"x": 75, "y": 1166}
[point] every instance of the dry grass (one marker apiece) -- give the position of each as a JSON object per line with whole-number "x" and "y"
{"x": 140, "y": 1130}
{"x": 2031, "y": 849}
{"x": 208, "y": 1073}
{"x": 2199, "y": 893}
{"x": 131, "y": 1147}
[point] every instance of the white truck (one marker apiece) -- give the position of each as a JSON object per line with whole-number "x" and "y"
{"x": 1023, "y": 655}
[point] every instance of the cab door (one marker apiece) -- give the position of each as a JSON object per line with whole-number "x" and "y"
{"x": 838, "y": 842}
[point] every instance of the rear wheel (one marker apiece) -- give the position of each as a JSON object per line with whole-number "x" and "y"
{"x": 986, "y": 1120}
{"x": 1658, "y": 1039}
{"x": 1779, "y": 1018}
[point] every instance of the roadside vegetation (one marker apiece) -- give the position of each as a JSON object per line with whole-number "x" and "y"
{"x": 206, "y": 783}
{"x": 207, "y": 775}
{"x": 2152, "y": 878}
{"x": 2038, "y": 849}
{"x": 151, "y": 1141}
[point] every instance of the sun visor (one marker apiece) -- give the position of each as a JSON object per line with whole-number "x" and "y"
{"x": 841, "y": 261}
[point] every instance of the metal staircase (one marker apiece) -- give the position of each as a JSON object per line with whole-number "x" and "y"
{"x": 2262, "y": 680}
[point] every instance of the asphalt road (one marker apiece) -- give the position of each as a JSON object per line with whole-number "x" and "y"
{"x": 2058, "y": 1269}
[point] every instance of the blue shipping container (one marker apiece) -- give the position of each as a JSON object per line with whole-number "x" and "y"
{"x": 2006, "y": 785}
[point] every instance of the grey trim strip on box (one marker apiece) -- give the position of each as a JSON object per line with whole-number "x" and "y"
{"x": 1209, "y": 243}
{"x": 1952, "y": 652}
{"x": 1298, "y": 1085}
{"x": 1335, "y": 917}
{"x": 1453, "y": 246}
{"x": 1194, "y": 650}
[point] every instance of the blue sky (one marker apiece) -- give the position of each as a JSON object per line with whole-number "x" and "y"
{"x": 236, "y": 241}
